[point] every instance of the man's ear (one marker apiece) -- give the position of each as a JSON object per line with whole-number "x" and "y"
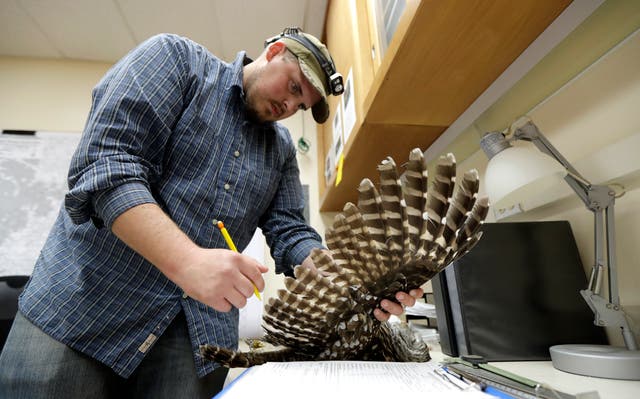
{"x": 275, "y": 49}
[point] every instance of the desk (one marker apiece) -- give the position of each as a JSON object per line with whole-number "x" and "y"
{"x": 540, "y": 371}
{"x": 544, "y": 372}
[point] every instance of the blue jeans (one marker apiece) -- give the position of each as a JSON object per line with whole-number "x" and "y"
{"x": 34, "y": 365}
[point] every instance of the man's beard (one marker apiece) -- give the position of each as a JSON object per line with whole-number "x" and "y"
{"x": 249, "y": 100}
{"x": 252, "y": 113}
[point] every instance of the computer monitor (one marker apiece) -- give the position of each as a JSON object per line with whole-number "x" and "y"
{"x": 515, "y": 294}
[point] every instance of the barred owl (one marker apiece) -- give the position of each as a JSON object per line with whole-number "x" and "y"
{"x": 396, "y": 239}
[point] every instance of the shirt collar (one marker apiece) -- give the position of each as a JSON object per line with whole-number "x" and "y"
{"x": 240, "y": 61}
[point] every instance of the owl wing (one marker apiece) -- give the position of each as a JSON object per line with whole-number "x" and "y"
{"x": 406, "y": 231}
{"x": 397, "y": 237}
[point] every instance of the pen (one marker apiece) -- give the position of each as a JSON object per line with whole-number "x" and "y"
{"x": 232, "y": 246}
{"x": 443, "y": 375}
{"x": 468, "y": 378}
{"x": 470, "y": 383}
{"x": 457, "y": 379}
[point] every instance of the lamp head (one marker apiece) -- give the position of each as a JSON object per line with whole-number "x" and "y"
{"x": 494, "y": 142}
{"x": 516, "y": 174}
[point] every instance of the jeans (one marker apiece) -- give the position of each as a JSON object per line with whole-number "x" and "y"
{"x": 34, "y": 365}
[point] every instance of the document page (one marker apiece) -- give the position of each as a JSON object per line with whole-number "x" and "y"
{"x": 345, "y": 379}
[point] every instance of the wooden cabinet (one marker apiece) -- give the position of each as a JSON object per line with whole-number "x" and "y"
{"x": 443, "y": 55}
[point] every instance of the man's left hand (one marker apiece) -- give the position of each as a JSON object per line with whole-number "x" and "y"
{"x": 389, "y": 307}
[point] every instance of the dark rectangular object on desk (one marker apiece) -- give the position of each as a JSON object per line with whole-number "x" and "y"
{"x": 515, "y": 294}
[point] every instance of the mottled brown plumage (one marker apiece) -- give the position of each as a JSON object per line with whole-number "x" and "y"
{"x": 397, "y": 238}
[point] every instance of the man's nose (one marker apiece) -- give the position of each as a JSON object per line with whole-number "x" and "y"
{"x": 288, "y": 105}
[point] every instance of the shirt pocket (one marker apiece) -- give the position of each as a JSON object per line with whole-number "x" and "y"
{"x": 262, "y": 184}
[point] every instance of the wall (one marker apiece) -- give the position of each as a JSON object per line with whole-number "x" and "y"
{"x": 592, "y": 120}
{"x": 40, "y": 94}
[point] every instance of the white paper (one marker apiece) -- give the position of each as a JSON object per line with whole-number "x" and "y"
{"x": 250, "y": 319}
{"x": 349, "y": 102}
{"x": 344, "y": 379}
{"x": 337, "y": 132}
{"x": 329, "y": 166}
{"x": 250, "y": 322}
{"x": 421, "y": 309}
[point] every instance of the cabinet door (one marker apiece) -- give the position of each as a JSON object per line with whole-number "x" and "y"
{"x": 348, "y": 40}
{"x": 384, "y": 17}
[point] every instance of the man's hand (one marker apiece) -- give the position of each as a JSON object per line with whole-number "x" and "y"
{"x": 390, "y": 307}
{"x": 219, "y": 278}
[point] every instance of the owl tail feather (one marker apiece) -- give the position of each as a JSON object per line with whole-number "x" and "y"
{"x": 231, "y": 359}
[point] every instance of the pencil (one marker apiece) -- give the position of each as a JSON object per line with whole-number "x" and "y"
{"x": 232, "y": 246}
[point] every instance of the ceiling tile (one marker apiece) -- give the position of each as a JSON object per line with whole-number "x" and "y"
{"x": 195, "y": 19}
{"x": 21, "y": 36}
{"x": 248, "y": 22}
{"x": 88, "y": 29}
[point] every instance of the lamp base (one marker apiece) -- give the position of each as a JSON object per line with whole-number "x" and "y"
{"x": 602, "y": 361}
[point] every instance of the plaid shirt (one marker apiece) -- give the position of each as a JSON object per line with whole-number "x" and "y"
{"x": 167, "y": 126}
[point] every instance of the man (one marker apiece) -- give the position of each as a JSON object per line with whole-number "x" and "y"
{"x": 134, "y": 277}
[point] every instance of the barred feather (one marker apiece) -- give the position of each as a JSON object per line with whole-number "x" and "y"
{"x": 372, "y": 260}
{"x": 414, "y": 189}
{"x": 437, "y": 204}
{"x": 394, "y": 209}
{"x": 473, "y": 221}
{"x": 461, "y": 203}
{"x": 370, "y": 206}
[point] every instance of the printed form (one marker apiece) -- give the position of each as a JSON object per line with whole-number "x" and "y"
{"x": 345, "y": 379}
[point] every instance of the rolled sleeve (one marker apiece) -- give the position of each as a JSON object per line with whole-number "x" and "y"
{"x": 120, "y": 155}
{"x": 116, "y": 201}
{"x": 104, "y": 178}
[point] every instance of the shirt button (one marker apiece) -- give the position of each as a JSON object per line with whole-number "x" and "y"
{"x": 237, "y": 154}
{"x": 184, "y": 295}
{"x": 227, "y": 186}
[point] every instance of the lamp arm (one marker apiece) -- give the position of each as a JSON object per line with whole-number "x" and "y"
{"x": 530, "y": 132}
{"x": 599, "y": 200}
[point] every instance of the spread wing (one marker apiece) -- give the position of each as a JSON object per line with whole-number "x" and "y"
{"x": 397, "y": 237}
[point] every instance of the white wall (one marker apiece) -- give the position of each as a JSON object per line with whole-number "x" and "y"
{"x": 50, "y": 95}
{"x": 597, "y": 110}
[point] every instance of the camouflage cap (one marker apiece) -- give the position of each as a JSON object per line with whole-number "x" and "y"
{"x": 312, "y": 71}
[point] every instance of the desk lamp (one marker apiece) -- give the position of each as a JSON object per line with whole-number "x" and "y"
{"x": 507, "y": 185}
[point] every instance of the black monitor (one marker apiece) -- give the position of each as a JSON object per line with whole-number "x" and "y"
{"x": 515, "y": 294}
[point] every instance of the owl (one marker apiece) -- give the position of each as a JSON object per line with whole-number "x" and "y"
{"x": 396, "y": 238}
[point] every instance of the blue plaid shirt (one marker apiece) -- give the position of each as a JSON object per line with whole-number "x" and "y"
{"x": 167, "y": 126}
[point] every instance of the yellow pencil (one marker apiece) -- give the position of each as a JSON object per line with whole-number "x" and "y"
{"x": 232, "y": 246}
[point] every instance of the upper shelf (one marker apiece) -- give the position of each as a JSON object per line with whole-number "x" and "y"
{"x": 443, "y": 55}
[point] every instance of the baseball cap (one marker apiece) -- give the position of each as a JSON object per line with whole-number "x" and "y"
{"x": 310, "y": 68}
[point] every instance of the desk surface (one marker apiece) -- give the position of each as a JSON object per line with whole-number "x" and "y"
{"x": 544, "y": 372}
